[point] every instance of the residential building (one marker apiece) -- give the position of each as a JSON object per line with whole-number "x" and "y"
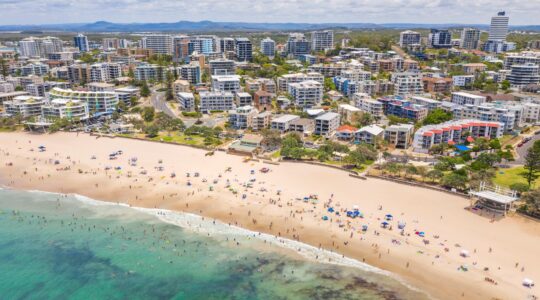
{"x": 248, "y": 144}
{"x": 109, "y": 44}
{"x": 10, "y": 96}
{"x": 438, "y": 85}
{"x": 39, "y": 47}
{"x": 322, "y": 40}
{"x": 97, "y": 102}
{"x": 105, "y": 72}
{"x": 399, "y": 135}
{"x": 181, "y": 48}
{"x": 190, "y": 72}
{"x": 226, "y": 83}
{"x": 283, "y": 123}
{"x": 261, "y": 121}
{"x": 440, "y": 38}
{"x": 474, "y": 68}
{"x": 302, "y": 125}
{"x": 521, "y": 59}
{"x": 462, "y": 98}
{"x": 81, "y": 42}
{"x": 227, "y": 45}
{"x": 470, "y": 38}
{"x": 345, "y": 132}
{"x": 243, "y": 99}
{"x": 65, "y": 109}
{"x": 242, "y": 117}
{"x": 345, "y": 86}
{"x": 498, "y": 29}
{"x": 222, "y": 66}
{"x": 455, "y": 132}
{"x": 100, "y": 87}
{"x": 158, "y": 43}
{"x": 522, "y": 75}
{"x": 348, "y": 113}
{"x": 263, "y": 100}
{"x": 268, "y": 47}
{"x": 369, "y": 135}
{"x": 409, "y": 37}
{"x": 508, "y": 115}
{"x": 403, "y": 109}
{"x": 186, "y": 100}
{"x": 25, "y": 106}
{"x": 306, "y": 94}
{"x": 6, "y": 87}
{"x": 369, "y": 105}
{"x": 285, "y": 80}
{"x": 297, "y": 45}
{"x": 326, "y": 124}
{"x": 216, "y": 101}
{"x": 181, "y": 86}
{"x": 430, "y": 104}
{"x": 126, "y": 93}
{"x": 329, "y": 70}
{"x": 463, "y": 80}
{"x": 244, "y": 49}
{"x": 407, "y": 83}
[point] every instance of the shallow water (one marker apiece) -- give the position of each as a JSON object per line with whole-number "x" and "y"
{"x": 55, "y": 247}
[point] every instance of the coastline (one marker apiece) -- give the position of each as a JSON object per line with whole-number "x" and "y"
{"x": 285, "y": 217}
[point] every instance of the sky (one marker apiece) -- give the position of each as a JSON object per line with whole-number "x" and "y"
{"x": 19, "y": 12}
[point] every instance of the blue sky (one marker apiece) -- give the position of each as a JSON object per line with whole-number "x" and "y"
{"x": 521, "y": 12}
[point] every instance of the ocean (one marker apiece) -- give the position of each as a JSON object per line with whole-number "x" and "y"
{"x": 71, "y": 247}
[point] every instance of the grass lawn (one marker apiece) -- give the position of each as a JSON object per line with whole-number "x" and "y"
{"x": 511, "y": 176}
{"x": 180, "y": 139}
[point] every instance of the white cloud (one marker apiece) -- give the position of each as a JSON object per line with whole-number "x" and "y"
{"x": 312, "y": 11}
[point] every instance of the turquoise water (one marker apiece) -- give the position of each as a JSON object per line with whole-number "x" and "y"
{"x": 54, "y": 247}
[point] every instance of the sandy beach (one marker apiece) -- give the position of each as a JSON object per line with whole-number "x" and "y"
{"x": 504, "y": 250}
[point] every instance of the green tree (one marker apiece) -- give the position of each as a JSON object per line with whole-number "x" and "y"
{"x": 145, "y": 91}
{"x": 434, "y": 175}
{"x": 455, "y": 180}
{"x": 148, "y": 114}
{"x": 532, "y": 164}
{"x": 437, "y": 116}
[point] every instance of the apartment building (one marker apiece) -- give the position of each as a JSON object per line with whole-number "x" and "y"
{"x": 409, "y": 37}
{"x": 463, "y": 80}
{"x": 181, "y": 86}
{"x": 348, "y": 113}
{"x": 25, "y": 106}
{"x": 369, "y": 135}
{"x": 430, "y": 104}
{"x": 283, "y": 123}
{"x": 322, "y": 40}
{"x": 263, "y": 100}
{"x": 522, "y": 75}
{"x": 244, "y": 49}
{"x": 261, "y": 120}
{"x": 437, "y": 85}
{"x": 399, "y": 135}
{"x": 186, "y": 100}
{"x": 369, "y": 105}
{"x": 190, "y": 72}
{"x": 97, "y": 102}
{"x": 65, "y": 109}
{"x": 285, "y": 80}
{"x": 508, "y": 115}
{"x": 326, "y": 124}
{"x": 158, "y": 43}
{"x": 226, "y": 83}
{"x": 469, "y": 38}
{"x": 243, "y": 99}
{"x": 455, "y": 132}
{"x": 306, "y": 94}
{"x": 222, "y": 66}
{"x": 216, "y": 101}
{"x": 268, "y": 47}
{"x": 303, "y": 126}
{"x": 403, "y": 108}
{"x": 407, "y": 83}
{"x": 462, "y": 98}
{"x": 242, "y": 117}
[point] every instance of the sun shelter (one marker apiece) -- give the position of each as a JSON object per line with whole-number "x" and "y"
{"x": 495, "y": 201}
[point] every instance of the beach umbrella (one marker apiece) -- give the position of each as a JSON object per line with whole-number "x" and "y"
{"x": 356, "y": 213}
{"x": 389, "y": 217}
{"x": 464, "y": 253}
{"x": 356, "y": 207}
{"x": 330, "y": 209}
{"x": 349, "y": 213}
{"x": 325, "y": 218}
{"x": 528, "y": 282}
{"x": 384, "y": 224}
{"x": 364, "y": 227}
{"x": 401, "y": 224}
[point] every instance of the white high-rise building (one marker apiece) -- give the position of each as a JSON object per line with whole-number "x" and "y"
{"x": 268, "y": 46}
{"x": 42, "y": 47}
{"x": 409, "y": 37}
{"x": 499, "y": 27}
{"x": 322, "y": 40}
{"x": 160, "y": 43}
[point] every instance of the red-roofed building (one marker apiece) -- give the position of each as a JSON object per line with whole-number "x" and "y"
{"x": 346, "y": 132}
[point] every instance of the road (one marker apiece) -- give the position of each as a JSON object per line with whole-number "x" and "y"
{"x": 159, "y": 103}
{"x": 522, "y": 151}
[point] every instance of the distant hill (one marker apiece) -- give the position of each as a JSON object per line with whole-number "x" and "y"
{"x": 206, "y": 26}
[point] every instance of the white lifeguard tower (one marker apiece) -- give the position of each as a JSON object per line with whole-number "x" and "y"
{"x": 495, "y": 197}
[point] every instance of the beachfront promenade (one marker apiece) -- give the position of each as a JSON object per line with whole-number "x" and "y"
{"x": 236, "y": 192}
